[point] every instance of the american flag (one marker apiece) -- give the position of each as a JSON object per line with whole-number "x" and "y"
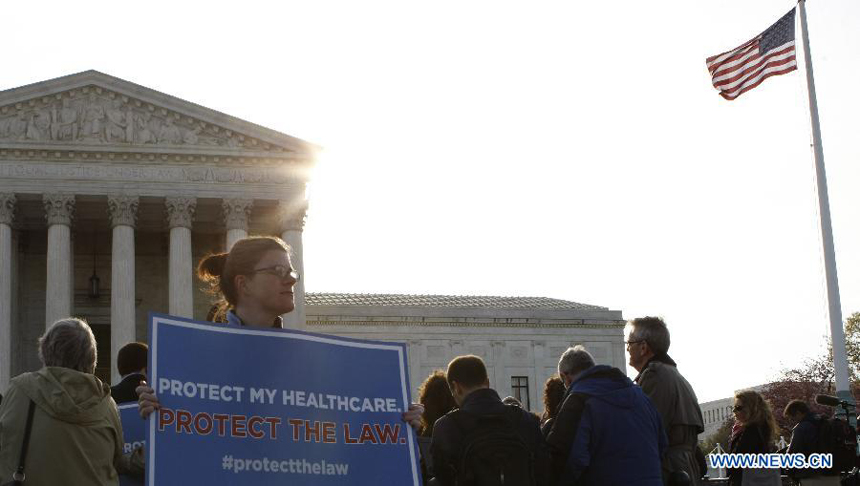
{"x": 770, "y": 53}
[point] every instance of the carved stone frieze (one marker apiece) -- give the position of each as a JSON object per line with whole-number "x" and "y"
{"x": 59, "y": 208}
{"x": 105, "y": 172}
{"x": 237, "y": 212}
{"x": 123, "y": 210}
{"x": 92, "y": 115}
{"x": 67, "y": 153}
{"x": 292, "y": 215}
{"x": 7, "y": 207}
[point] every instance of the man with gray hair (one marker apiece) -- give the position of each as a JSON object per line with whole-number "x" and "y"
{"x": 648, "y": 345}
{"x": 606, "y": 431}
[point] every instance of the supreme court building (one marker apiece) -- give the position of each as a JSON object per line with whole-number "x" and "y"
{"x": 110, "y": 193}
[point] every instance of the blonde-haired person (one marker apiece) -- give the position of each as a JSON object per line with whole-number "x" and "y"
{"x": 753, "y": 433}
{"x": 76, "y": 433}
{"x": 253, "y": 284}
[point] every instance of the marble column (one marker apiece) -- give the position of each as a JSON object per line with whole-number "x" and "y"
{"x": 15, "y": 357}
{"x": 237, "y": 212}
{"x": 501, "y": 383}
{"x": 413, "y": 358}
{"x": 292, "y": 222}
{"x": 7, "y": 216}
{"x": 123, "y": 216}
{"x": 539, "y": 371}
{"x": 59, "y": 211}
{"x": 180, "y": 215}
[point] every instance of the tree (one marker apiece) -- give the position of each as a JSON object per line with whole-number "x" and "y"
{"x": 813, "y": 377}
{"x": 852, "y": 345}
{"x": 721, "y": 436}
{"x": 816, "y": 376}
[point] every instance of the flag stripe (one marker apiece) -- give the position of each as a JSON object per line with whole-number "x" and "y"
{"x": 781, "y": 70}
{"x": 721, "y": 73}
{"x": 730, "y": 61}
{"x": 751, "y": 77}
{"x": 720, "y": 57}
{"x": 729, "y": 77}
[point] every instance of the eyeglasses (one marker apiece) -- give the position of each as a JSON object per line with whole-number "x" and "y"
{"x": 280, "y": 271}
{"x": 628, "y": 343}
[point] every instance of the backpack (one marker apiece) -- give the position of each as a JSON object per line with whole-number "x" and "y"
{"x": 837, "y": 438}
{"x": 493, "y": 453}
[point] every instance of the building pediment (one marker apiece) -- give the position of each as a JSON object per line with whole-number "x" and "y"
{"x": 92, "y": 111}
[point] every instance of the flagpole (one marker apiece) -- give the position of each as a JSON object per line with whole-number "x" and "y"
{"x": 837, "y": 334}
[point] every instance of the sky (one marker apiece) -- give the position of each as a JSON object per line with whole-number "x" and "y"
{"x": 574, "y": 150}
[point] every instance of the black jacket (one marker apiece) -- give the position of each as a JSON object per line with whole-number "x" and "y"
{"x": 804, "y": 440}
{"x": 753, "y": 439}
{"x": 123, "y": 391}
{"x": 447, "y": 439}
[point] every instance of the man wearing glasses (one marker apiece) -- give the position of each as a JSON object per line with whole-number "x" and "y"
{"x": 671, "y": 393}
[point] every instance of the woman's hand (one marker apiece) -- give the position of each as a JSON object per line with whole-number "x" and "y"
{"x": 413, "y": 415}
{"x": 147, "y": 402}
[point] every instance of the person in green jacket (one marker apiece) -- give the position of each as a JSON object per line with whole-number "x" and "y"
{"x": 76, "y": 435}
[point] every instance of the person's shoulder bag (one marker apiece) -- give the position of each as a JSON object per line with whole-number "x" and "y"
{"x": 18, "y": 476}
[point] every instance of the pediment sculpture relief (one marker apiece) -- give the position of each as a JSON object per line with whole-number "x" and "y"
{"x": 98, "y": 117}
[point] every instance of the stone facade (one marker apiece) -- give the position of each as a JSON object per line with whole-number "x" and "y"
{"x": 104, "y": 180}
{"x": 520, "y": 339}
{"x": 715, "y": 413}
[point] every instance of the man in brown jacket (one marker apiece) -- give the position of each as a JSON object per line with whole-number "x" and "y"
{"x": 648, "y": 346}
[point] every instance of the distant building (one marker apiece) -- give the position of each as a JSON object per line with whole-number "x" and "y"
{"x": 715, "y": 413}
{"x": 519, "y": 338}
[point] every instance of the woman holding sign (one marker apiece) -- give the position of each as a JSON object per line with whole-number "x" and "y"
{"x": 254, "y": 283}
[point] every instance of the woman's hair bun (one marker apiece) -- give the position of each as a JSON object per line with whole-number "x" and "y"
{"x": 212, "y": 266}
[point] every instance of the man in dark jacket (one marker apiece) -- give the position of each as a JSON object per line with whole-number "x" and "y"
{"x": 607, "y": 431}
{"x": 805, "y": 440}
{"x": 673, "y": 396}
{"x": 131, "y": 363}
{"x": 470, "y": 386}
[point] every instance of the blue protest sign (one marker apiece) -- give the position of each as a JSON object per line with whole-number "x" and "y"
{"x": 133, "y": 435}
{"x": 269, "y": 406}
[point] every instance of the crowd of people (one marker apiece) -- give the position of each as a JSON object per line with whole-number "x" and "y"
{"x": 60, "y": 424}
{"x": 599, "y": 427}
